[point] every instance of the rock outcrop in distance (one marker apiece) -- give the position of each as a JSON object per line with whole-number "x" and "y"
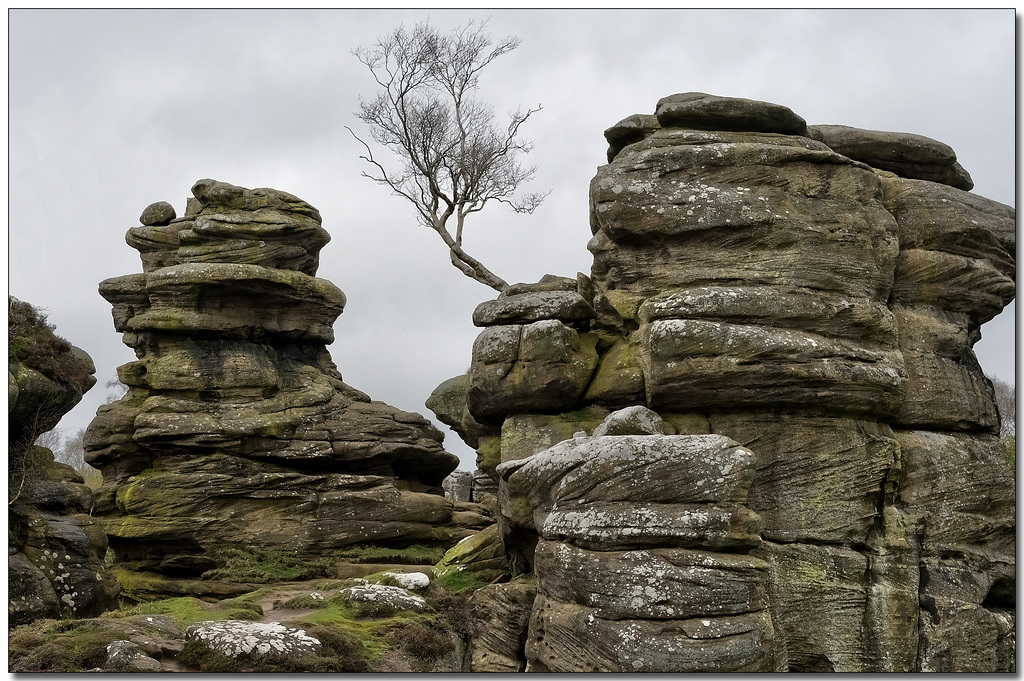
{"x": 55, "y": 562}
{"x": 237, "y": 429}
{"x": 809, "y": 295}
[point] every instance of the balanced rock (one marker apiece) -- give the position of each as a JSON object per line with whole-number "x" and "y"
{"x": 158, "y": 214}
{"x": 907, "y": 155}
{"x": 237, "y": 429}
{"x": 699, "y": 111}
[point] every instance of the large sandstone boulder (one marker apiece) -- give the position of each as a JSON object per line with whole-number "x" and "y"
{"x": 237, "y": 429}
{"x": 642, "y": 556}
{"x": 812, "y": 294}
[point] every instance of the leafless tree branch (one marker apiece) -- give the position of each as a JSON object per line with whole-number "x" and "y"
{"x": 455, "y": 158}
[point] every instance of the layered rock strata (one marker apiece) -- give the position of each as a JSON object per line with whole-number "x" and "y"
{"x": 812, "y": 293}
{"x": 237, "y": 429}
{"x": 55, "y": 563}
{"x": 642, "y": 554}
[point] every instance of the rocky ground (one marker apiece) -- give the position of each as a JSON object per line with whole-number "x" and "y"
{"x": 367, "y": 624}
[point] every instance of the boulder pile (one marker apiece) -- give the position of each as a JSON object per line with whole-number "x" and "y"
{"x": 812, "y": 294}
{"x": 237, "y": 429}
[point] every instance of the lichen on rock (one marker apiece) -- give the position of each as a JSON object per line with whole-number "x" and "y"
{"x": 811, "y": 293}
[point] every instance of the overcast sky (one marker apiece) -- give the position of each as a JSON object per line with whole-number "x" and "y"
{"x": 111, "y": 110}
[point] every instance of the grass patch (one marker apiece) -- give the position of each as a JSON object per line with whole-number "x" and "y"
{"x": 188, "y": 610}
{"x": 256, "y": 565}
{"x": 61, "y": 646}
{"x": 263, "y": 566}
{"x": 459, "y": 581}
{"x": 416, "y": 554}
{"x": 310, "y": 601}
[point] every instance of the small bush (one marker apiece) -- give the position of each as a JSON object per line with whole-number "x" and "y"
{"x": 423, "y": 642}
{"x": 350, "y": 654}
{"x": 454, "y": 610}
{"x": 31, "y": 340}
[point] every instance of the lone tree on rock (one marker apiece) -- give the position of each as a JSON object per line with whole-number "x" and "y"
{"x": 456, "y": 158}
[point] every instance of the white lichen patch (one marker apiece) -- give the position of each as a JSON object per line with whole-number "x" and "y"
{"x": 413, "y": 581}
{"x": 392, "y": 596}
{"x": 236, "y": 637}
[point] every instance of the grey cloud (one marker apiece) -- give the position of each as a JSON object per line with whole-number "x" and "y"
{"x": 111, "y": 110}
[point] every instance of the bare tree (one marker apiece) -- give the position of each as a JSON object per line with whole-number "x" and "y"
{"x": 455, "y": 158}
{"x": 1006, "y": 403}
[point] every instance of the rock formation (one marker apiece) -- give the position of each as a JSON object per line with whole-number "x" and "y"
{"x": 811, "y": 294}
{"x": 55, "y": 550}
{"x": 237, "y": 429}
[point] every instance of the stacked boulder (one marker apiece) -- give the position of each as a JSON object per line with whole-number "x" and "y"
{"x": 642, "y": 557}
{"x": 237, "y": 429}
{"x": 812, "y": 293}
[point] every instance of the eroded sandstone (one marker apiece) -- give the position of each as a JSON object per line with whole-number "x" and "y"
{"x": 812, "y": 294}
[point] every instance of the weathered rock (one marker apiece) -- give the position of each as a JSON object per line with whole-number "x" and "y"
{"x": 237, "y": 428}
{"x": 618, "y": 380}
{"x": 485, "y": 489}
{"x": 634, "y": 420}
{"x": 630, "y": 129}
{"x": 56, "y": 550}
{"x": 391, "y": 597}
{"x": 653, "y": 584}
{"x": 410, "y": 581}
{"x": 623, "y": 530}
{"x": 481, "y": 554}
{"x": 497, "y": 641}
{"x": 960, "y": 487}
{"x": 634, "y": 468}
{"x": 549, "y": 282}
{"x": 523, "y": 435}
{"x": 572, "y": 638}
{"x": 818, "y": 480}
{"x": 232, "y": 638}
{"x": 448, "y": 402}
{"x": 126, "y": 656}
{"x": 955, "y": 272}
{"x": 31, "y": 596}
{"x": 907, "y": 155}
{"x": 458, "y": 486}
{"x": 826, "y": 595}
{"x": 538, "y": 367}
{"x": 566, "y": 306}
{"x": 158, "y": 214}
{"x": 802, "y": 291}
{"x": 699, "y": 111}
